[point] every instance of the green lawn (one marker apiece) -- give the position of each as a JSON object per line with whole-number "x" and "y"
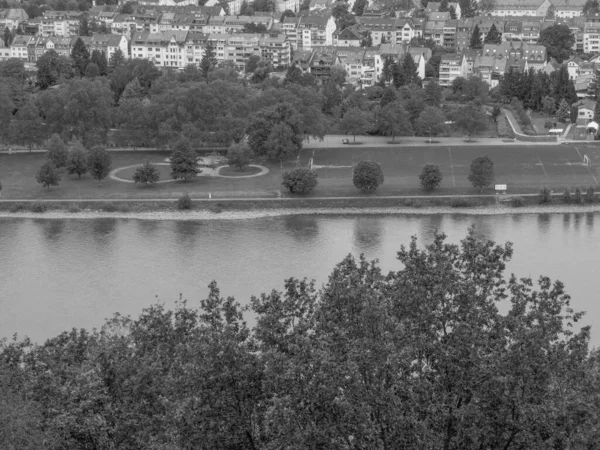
{"x": 522, "y": 168}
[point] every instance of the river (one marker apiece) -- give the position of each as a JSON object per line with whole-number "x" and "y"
{"x": 59, "y": 274}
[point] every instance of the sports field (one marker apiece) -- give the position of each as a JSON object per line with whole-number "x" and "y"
{"x": 525, "y": 169}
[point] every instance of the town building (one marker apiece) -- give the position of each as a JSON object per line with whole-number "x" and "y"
{"x": 452, "y": 66}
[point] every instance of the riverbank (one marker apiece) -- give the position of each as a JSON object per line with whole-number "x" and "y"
{"x": 198, "y": 215}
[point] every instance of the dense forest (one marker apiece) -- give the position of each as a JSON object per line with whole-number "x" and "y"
{"x": 419, "y": 358}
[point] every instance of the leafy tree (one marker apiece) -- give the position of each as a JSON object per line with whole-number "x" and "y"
{"x": 433, "y": 94}
{"x": 92, "y": 71}
{"x": 597, "y": 112}
{"x": 77, "y": 161}
{"x": 26, "y": 128}
{"x": 481, "y": 173}
{"x": 58, "y": 152}
{"x": 84, "y": 28}
{"x": 127, "y": 8}
{"x": 133, "y": 91}
{"x": 486, "y": 6}
{"x": 80, "y": 55}
{"x": 493, "y": 36}
{"x": 301, "y": 180}
{"x": 252, "y": 63}
{"x": 548, "y": 105}
{"x": 354, "y": 122}
{"x": 209, "y": 59}
{"x": 146, "y": 174}
{"x": 389, "y": 96}
{"x": 367, "y": 41}
{"x": 431, "y": 177}
{"x": 6, "y": 114}
{"x": 359, "y": 7}
{"x": 443, "y": 6}
{"x": 591, "y": 7}
{"x": 99, "y": 163}
{"x": 7, "y": 37}
{"x": 183, "y": 160}
{"x": 254, "y": 28}
{"x": 409, "y": 71}
{"x": 239, "y": 155}
{"x": 287, "y": 13}
{"x": 367, "y": 176}
{"x": 476, "y": 38}
{"x": 558, "y": 41}
{"x": 13, "y": 68}
{"x": 468, "y": 8}
{"x": 294, "y": 75}
{"x": 394, "y": 120}
{"x": 431, "y": 122}
{"x": 563, "y": 111}
{"x": 471, "y": 120}
{"x": 333, "y": 97}
{"x": 51, "y": 68}
{"x": 47, "y": 175}
{"x": 452, "y": 11}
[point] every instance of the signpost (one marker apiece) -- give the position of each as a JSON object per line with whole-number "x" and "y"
{"x": 501, "y": 187}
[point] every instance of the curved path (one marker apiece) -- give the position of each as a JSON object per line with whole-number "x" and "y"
{"x": 213, "y": 173}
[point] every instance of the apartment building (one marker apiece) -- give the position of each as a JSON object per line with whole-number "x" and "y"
{"x": 18, "y": 47}
{"x": 521, "y": 8}
{"x": 591, "y": 37}
{"x": 452, "y": 66}
{"x": 534, "y": 54}
{"x": 381, "y": 28}
{"x": 308, "y": 31}
{"x": 12, "y": 17}
{"x": 109, "y": 44}
{"x": 4, "y": 51}
{"x": 566, "y": 9}
{"x": 276, "y": 49}
{"x": 166, "y": 49}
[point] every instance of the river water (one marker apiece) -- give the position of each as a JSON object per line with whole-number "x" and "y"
{"x": 59, "y": 274}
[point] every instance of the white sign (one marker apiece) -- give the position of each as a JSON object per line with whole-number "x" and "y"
{"x": 500, "y": 187}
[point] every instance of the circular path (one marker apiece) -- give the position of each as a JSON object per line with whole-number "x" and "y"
{"x": 206, "y": 172}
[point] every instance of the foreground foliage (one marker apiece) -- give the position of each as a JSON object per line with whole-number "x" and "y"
{"x": 301, "y": 180}
{"x": 419, "y": 358}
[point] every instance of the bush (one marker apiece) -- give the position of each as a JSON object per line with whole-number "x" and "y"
{"x": 301, "y": 180}
{"x": 184, "y": 202}
{"x": 108, "y": 207}
{"x": 38, "y": 207}
{"x": 545, "y": 196}
{"x": 431, "y": 177}
{"x": 567, "y": 198}
{"x": 412, "y": 203}
{"x": 548, "y": 124}
{"x": 578, "y": 198}
{"x": 590, "y": 196}
{"x": 517, "y": 202}
{"x": 459, "y": 203}
{"x": 367, "y": 176}
{"x": 17, "y": 207}
{"x": 74, "y": 208}
{"x": 123, "y": 207}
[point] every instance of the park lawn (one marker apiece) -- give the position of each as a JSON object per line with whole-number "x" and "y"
{"x": 523, "y": 168}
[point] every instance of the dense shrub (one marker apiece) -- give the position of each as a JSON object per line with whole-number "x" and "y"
{"x": 459, "y": 203}
{"x": 108, "y": 207}
{"x": 517, "y": 202}
{"x": 17, "y": 207}
{"x": 431, "y": 177}
{"x": 74, "y": 208}
{"x": 590, "y": 196}
{"x": 38, "y": 207}
{"x": 545, "y": 196}
{"x": 577, "y": 197}
{"x": 567, "y": 197}
{"x": 367, "y": 176}
{"x": 300, "y": 180}
{"x": 184, "y": 202}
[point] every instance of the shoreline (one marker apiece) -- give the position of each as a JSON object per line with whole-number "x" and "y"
{"x": 172, "y": 215}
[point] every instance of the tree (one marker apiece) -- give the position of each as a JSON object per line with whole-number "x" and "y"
{"x": 80, "y": 55}
{"x": 116, "y": 60}
{"x": 333, "y": 97}
{"x": 443, "y": 6}
{"x": 133, "y": 91}
{"x": 476, "y": 38}
{"x": 7, "y": 37}
{"x": 486, "y": 6}
{"x": 13, "y": 68}
{"x": 431, "y": 177}
{"x": 431, "y": 122}
{"x": 409, "y": 71}
{"x": 468, "y": 8}
{"x": 452, "y": 11}
{"x": 84, "y": 27}
{"x": 146, "y": 174}
{"x": 6, "y": 115}
{"x": 433, "y": 94}
{"x": 367, "y": 176}
{"x": 494, "y": 36}
{"x": 239, "y": 155}
{"x": 92, "y": 71}
{"x": 127, "y": 8}
{"x": 183, "y": 160}
{"x": 254, "y": 28}
{"x": 51, "y": 68}
{"x": 99, "y": 58}
{"x": 354, "y": 122}
{"x": 301, "y": 180}
{"x": 99, "y": 163}
{"x": 47, "y": 175}
{"x": 548, "y": 104}
{"x": 394, "y": 120}
{"x": 287, "y": 13}
{"x": 26, "y": 128}
{"x": 496, "y": 111}
{"x": 558, "y": 41}
{"x": 58, "y": 152}
{"x": 481, "y": 174}
{"x": 209, "y": 60}
{"x": 591, "y": 7}
{"x": 563, "y": 111}
{"x": 471, "y": 120}
{"x": 252, "y": 63}
{"x": 389, "y": 95}
{"x": 77, "y": 162}
{"x": 359, "y": 7}
{"x": 597, "y": 112}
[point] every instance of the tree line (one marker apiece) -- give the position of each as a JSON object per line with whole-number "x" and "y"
{"x": 443, "y": 353}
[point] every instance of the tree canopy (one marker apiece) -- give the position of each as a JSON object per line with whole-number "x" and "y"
{"x": 558, "y": 40}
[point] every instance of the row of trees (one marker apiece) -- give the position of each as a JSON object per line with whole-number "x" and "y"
{"x": 446, "y": 352}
